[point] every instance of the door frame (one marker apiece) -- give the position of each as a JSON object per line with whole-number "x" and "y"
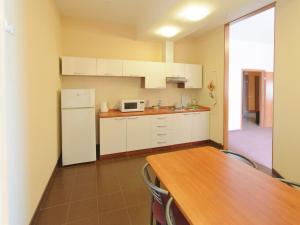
{"x": 226, "y": 67}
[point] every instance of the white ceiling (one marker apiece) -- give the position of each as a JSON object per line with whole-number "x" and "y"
{"x": 148, "y": 15}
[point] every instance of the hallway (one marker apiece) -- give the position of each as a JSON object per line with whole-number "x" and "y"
{"x": 252, "y": 141}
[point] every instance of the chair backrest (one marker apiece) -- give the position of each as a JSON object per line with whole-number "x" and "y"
{"x": 241, "y": 157}
{"x": 169, "y": 215}
{"x": 291, "y": 183}
{"x": 156, "y": 192}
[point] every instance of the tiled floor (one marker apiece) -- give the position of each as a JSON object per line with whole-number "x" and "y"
{"x": 103, "y": 193}
{"x": 109, "y": 192}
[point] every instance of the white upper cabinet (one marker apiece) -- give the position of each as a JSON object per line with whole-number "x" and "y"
{"x": 193, "y": 74}
{"x": 155, "y": 75}
{"x": 79, "y": 66}
{"x": 175, "y": 69}
{"x": 109, "y": 67}
{"x": 133, "y": 68}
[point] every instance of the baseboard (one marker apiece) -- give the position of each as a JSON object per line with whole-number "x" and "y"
{"x": 34, "y": 217}
{"x": 162, "y": 149}
{"x": 215, "y": 144}
{"x": 276, "y": 174}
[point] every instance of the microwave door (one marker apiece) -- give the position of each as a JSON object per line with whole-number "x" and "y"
{"x": 128, "y": 106}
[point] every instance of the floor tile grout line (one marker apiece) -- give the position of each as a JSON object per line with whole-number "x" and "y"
{"x": 69, "y": 203}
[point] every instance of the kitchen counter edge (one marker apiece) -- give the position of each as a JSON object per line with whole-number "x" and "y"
{"x": 148, "y": 111}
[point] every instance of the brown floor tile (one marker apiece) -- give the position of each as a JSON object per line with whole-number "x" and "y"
{"x": 94, "y": 220}
{"x": 111, "y": 202}
{"x": 82, "y": 209}
{"x": 63, "y": 172}
{"x": 108, "y": 184}
{"x": 134, "y": 179}
{"x": 116, "y": 217}
{"x": 85, "y": 178}
{"x": 84, "y": 191}
{"x": 135, "y": 195}
{"x": 63, "y": 183}
{"x": 53, "y": 216}
{"x": 90, "y": 168}
{"x": 56, "y": 197}
{"x": 140, "y": 214}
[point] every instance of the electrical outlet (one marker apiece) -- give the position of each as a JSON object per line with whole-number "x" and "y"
{"x": 9, "y": 28}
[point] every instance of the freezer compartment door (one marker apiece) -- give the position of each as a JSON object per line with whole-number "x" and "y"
{"x": 77, "y": 98}
{"x": 78, "y": 136}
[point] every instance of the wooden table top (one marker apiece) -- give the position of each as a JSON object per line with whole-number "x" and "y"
{"x": 149, "y": 111}
{"x": 210, "y": 187}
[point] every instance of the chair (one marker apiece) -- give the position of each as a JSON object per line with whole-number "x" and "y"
{"x": 240, "y": 157}
{"x": 291, "y": 183}
{"x": 158, "y": 200}
{"x": 173, "y": 215}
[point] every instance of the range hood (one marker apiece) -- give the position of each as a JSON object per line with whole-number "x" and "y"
{"x": 168, "y": 55}
{"x": 176, "y": 80}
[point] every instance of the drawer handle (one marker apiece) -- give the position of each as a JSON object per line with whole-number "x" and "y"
{"x": 161, "y": 142}
{"x": 161, "y": 118}
{"x": 132, "y": 118}
{"x": 161, "y": 126}
{"x": 120, "y": 119}
{"x": 161, "y": 134}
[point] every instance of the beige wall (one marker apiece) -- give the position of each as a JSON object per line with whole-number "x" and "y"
{"x": 210, "y": 53}
{"x": 94, "y": 39}
{"x": 32, "y": 82}
{"x": 286, "y": 153}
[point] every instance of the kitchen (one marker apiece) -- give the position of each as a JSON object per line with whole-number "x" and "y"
{"x": 133, "y": 125}
{"x": 37, "y": 190}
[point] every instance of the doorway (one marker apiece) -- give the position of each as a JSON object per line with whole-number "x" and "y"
{"x": 248, "y": 107}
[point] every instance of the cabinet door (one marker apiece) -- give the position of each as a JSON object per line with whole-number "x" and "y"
{"x": 200, "y": 126}
{"x": 182, "y": 130}
{"x": 112, "y": 135}
{"x": 138, "y": 133}
{"x": 109, "y": 67}
{"x": 134, "y": 68}
{"x": 155, "y": 75}
{"x": 193, "y": 74}
{"x": 79, "y": 66}
{"x": 175, "y": 69}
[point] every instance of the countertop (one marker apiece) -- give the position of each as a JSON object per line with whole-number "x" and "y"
{"x": 150, "y": 111}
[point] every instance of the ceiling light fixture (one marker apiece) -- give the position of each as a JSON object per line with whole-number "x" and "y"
{"x": 168, "y": 31}
{"x": 194, "y": 13}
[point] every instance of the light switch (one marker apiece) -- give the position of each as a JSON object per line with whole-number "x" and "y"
{"x": 9, "y": 28}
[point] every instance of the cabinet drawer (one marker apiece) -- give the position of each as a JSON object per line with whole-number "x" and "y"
{"x": 161, "y": 121}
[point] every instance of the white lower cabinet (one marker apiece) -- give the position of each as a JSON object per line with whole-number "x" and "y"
{"x": 182, "y": 128}
{"x": 161, "y": 130}
{"x": 122, "y": 134}
{"x": 112, "y": 135}
{"x": 200, "y": 126}
{"x": 138, "y": 133}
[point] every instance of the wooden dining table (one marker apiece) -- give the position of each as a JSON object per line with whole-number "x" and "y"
{"x": 211, "y": 188}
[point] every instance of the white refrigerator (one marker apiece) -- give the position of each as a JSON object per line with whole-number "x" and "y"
{"x": 78, "y": 126}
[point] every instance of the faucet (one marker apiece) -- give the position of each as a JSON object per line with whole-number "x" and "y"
{"x": 159, "y": 103}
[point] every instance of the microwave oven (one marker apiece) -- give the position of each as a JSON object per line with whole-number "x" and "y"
{"x": 132, "y": 105}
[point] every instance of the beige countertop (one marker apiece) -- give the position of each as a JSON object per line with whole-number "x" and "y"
{"x": 150, "y": 111}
